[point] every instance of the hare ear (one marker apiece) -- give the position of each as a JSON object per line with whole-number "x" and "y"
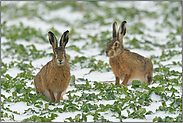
{"x": 114, "y": 34}
{"x": 122, "y": 31}
{"x": 64, "y": 39}
{"x": 52, "y": 39}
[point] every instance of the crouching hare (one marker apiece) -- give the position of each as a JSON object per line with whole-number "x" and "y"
{"x": 53, "y": 79}
{"x": 126, "y": 65}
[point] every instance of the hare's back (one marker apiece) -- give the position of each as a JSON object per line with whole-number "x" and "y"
{"x": 137, "y": 57}
{"x": 143, "y": 62}
{"x": 137, "y": 61}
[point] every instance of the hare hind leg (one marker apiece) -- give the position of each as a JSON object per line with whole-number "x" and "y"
{"x": 38, "y": 85}
{"x": 37, "y": 92}
{"x": 149, "y": 78}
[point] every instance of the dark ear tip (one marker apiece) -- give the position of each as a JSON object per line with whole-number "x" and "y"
{"x": 50, "y": 32}
{"x": 66, "y": 31}
{"x": 124, "y": 22}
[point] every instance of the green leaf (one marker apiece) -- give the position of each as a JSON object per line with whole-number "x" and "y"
{"x": 8, "y": 76}
{"x": 136, "y": 83}
{"x": 141, "y": 111}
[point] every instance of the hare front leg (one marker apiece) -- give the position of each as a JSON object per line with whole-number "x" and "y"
{"x": 59, "y": 97}
{"x": 117, "y": 81}
{"x": 52, "y": 97}
{"x": 125, "y": 81}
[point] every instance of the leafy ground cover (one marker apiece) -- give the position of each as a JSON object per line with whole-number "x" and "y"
{"x": 153, "y": 30}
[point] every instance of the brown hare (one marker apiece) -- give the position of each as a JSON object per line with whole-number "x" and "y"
{"x": 127, "y": 65}
{"x": 53, "y": 79}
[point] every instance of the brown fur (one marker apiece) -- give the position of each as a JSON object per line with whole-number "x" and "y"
{"x": 127, "y": 65}
{"x": 54, "y": 77}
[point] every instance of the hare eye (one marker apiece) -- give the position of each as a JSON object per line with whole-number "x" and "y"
{"x": 116, "y": 44}
{"x": 56, "y": 55}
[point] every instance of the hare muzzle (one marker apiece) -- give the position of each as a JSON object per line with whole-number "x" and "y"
{"x": 59, "y": 57}
{"x": 110, "y": 53}
{"x": 60, "y": 62}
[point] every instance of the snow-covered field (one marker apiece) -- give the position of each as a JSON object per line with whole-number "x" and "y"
{"x": 153, "y": 27}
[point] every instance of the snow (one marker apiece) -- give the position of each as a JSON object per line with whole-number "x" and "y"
{"x": 14, "y": 71}
{"x": 97, "y": 76}
{"x": 63, "y": 13}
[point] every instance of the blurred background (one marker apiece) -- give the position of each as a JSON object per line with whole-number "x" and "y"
{"x": 148, "y": 22}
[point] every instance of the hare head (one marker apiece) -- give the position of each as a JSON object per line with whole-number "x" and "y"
{"x": 115, "y": 46}
{"x": 59, "y": 57}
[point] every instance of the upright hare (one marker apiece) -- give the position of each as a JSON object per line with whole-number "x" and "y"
{"x": 54, "y": 77}
{"x": 127, "y": 65}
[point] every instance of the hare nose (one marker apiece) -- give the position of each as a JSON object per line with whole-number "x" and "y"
{"x": 60, "y": 61}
